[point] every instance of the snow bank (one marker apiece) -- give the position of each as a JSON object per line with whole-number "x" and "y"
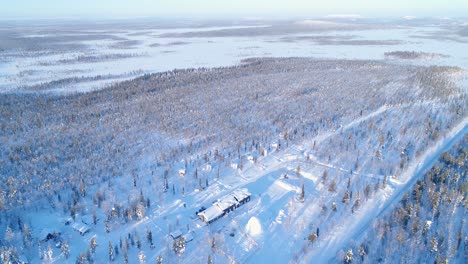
{"x": 253, "y": 227}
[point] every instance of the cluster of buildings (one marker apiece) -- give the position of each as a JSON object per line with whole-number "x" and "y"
{"x": 225, "y": 205}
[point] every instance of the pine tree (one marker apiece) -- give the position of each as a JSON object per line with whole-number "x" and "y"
{"x": 140, "y": 211}
{"x": 81, "y": 259}
{"x": 209, "y": 260}
{"x": 93, "y": 244}
{"x": 302, "y": 193}
{"x": 349, "y": 256}
{"x": 26, "y": 235}
{"x": 111, "y": 251}
{"x": 312, "y": 237}
{"x": 332, "y": 186}
{"x": 138, "y": 240}
{"x": 49, "y": 254}
{"x": 141, "y": 258}
{"x": 362, "y": 252}
{"x": 107, "y": 226}
{"x": 127, "y": 243}
{"x": 346, "y": 197}
{"x": 334, "y": 207}
{"x": 367, "y": 191}
{"x": 179, "y": 246}
{"x": 6, "y": 255}
{"x": 142, "y": 197}
{"x": 65, "y": 249}
{"x": 82, "y": 188}
{"x": 434, "y": 245}
{"x": 159, "y": 260}
{"x": 124, "y": 251}
{"x": 149, "y": 237}
{"x": 94, "y": 217}
{"x": 324, "y": 176}
{"x": 39, "y": 249}
{"x": 377, "y": 186}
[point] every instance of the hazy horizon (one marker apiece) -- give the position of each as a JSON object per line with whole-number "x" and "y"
{"x": 105, "y": 9}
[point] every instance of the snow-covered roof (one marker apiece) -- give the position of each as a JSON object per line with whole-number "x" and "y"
{"x": 87, "y": 219}
{"x": 82, "y": 229}
{"x": 226, "y": 202}
{"x": 211, "y": 213}
{"x": 188, "y": 237}
{"x": 241, "y": 194}
{"x": 176, "y": 234}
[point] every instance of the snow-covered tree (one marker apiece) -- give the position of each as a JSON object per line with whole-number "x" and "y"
{"x": 125, "y": 254}
{"x": 138, "y": 240}
{"x": 348, "y": 258}
{"x": 324, "y": 176}
{"x": 141, "y": 258}
{"x": 367, "y": 191}
{"x": 65, "y": 249}
{"x": 8, "y": 255}
{"x": 213, "y": 242}
{"x": 332, "y": 186}
{"x": 179, "y": 245}
{"x": 93, "y": 244}
{"x": 434, "y": 244}
{"x": 362, "y": 252}
{"x": 312, "y": 237}
{"x": 346, "y": 197}
{"x": 82, "y": 259}
{"x": 140, "y": 211}
{"x": 301, "y": 197}
{"x": 111, "y": 252}
{"x": 49, "y": 252}
{"x": 149, "y": 237}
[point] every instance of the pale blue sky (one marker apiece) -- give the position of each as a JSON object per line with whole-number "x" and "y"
{"x": 220, "y": 8}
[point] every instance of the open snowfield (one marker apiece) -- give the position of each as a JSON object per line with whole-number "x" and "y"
{"x": 327, "y": 123}
{"x": 83, "y": 57}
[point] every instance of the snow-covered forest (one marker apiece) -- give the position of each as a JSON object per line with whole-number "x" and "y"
{"x": 321, "y": 159}
{"x": 428, "y": 224}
